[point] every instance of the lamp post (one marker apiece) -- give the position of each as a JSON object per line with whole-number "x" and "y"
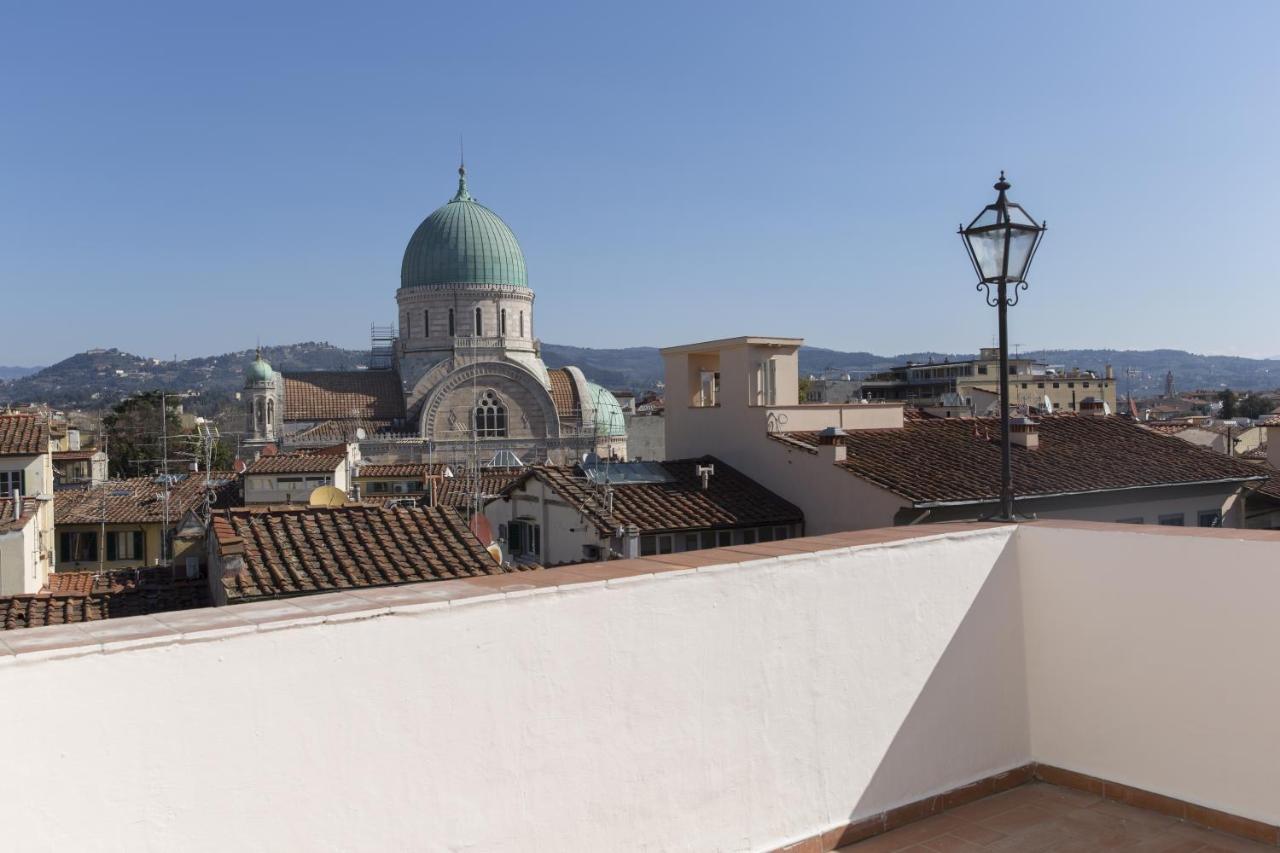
{"x": 1001, "y": 242}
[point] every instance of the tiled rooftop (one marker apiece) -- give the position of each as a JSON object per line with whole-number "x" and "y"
{"x": 138, "y": 500}
{"x": 458, "y": 491}
{"x": 959, "y": 459}
{"x": 312, "y": 549}
{"x": 730, "y": 499}
{"x": 402, "y": 469}
{"x": 23, "y": 435}
{"x": 296, "y": 463}
{"x": 343, "y": 395}
{"x": 564, "y": 394}
{"x": 11, "y": 519}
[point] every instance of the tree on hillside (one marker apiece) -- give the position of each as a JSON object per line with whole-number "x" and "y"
{"x": 1229, "y": 402}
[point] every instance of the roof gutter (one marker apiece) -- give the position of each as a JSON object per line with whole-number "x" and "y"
{"x": 1040, "y": 495}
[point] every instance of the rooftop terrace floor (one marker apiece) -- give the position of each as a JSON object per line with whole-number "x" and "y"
{"x": 1038, "y": 817}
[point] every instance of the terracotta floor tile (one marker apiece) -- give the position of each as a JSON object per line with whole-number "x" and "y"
{"x": 975, "y": 833}
{"x": 1019, "y": 819}
{"x": 986, "y": 807}
{"x": 952, "y": 844}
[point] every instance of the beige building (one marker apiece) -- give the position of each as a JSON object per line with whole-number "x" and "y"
{"x": 289, "y": 478}
{"x": 26, "y": 510}
{"x": 874, "y": 467}
{"x": 977, "y": 381}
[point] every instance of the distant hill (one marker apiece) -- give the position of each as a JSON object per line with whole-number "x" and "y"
{"x": 99, "y": 378}
{"x": 15, "y": 372}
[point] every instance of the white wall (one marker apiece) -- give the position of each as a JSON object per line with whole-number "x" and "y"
{"x": 1151, "y": 660}
{"x": 733, "y": 708}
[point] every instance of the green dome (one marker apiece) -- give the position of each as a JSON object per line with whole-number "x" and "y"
{"x": 258, "y": 370}
{"x": 463, "y": 242}
{"x": 609, "y": 418}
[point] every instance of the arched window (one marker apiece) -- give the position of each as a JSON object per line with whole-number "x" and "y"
{"x": 502, "y": 322}
{"x": 490, "y": 419}
{"x": 451, "y": 331}
{"x": 426, "y": 324}
{"x": 259, "y": 416}
{"x": 479, "y": 323}
{"x": 522, "y": 324}
{"x": 271, "y": 415}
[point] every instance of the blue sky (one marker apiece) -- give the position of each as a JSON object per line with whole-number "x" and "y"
{"x": 183, "y": 178}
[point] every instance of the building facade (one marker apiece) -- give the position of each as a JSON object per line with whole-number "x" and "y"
{"x": 465, "y": 374}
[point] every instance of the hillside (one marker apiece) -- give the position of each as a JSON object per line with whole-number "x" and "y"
{"x": 99, "y": 378}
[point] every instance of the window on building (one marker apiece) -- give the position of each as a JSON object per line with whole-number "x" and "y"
{"x": 1086, "y": 384}
{"x": 982, "y": 369}
{"x": 1176, "y": 519}
{"x": 12, "y": 481}
{"x": 502, "y": 322}
{"x": 452, "y": 333}
{"x": 748, "y": 537}
{"x": 426, "y": 324}
{"x": 193, "y": 567}
{"x": 1209, "y": 518}
{"x": 724, "y": 538}
{"x": 1057, "y": 385}
{"x": 479, "y": 325}
{"x": 781, "y": 533}
{"x": 524, "y": 538}
{"x": 78, "y": 547}
{"x": 708, "y": 539}
{"x": 522, "y": 324}
{"x": 1039, "y": 384}
{"x": 124, "y": 545}
{"x": 691, "y": 541}
{"x": 490, "y": 419}
{"x": 1024, "y": 385}
{"x": 765, "y": 534}
{"x": 1071, "y": 384}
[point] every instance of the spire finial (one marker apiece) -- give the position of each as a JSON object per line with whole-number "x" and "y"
{"x": 462, "y": 194}
{"x": 1002, "y": 184}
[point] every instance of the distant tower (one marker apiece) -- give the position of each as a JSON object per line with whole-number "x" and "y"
{"x": 261, "y": 400}
{"x": 1168, "y": 384}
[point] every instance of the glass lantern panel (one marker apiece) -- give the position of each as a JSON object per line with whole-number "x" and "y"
{"x": 1019, "y": 216}
{"x": 988, "y": 250}
{"x": 986, "y": 217}
{"x": 1020, "y": 245}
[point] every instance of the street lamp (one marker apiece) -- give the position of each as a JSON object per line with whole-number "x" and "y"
{"x": 1001, "y": 242}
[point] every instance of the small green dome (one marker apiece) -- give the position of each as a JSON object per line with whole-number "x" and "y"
{"x": 258, "y": 370}
{"x": 609, "y": 418}
{"x": 463, "y": 242}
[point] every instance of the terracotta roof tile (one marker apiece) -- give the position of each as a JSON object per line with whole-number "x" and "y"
{"x": 23, "y": 435}
{"x": 297, "y": 551}
{"x": 339, "y": 430}
{"x": 945, "y": 460}
{"x": 8, "y": 523}
{"x": 296, "y": 463}
{"x": 138, "y": 500}
{"x": 730, "y": 499}
{"x": 343, "y": 395}
{"x": 457, "y": 491}
{"x": 133, "y": 592}
{"x": 74, "y": 455}
{"x": 402, "y": 469}
{"x": 564, "y": 394}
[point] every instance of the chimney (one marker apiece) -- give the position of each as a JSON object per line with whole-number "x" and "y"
{"x": 630, "y": 536}
{"x": 1110, "y": 372}
{"x": 831, "y": 444}
{"x": 1024, "y": 432}
{"x": 17, "y": 505}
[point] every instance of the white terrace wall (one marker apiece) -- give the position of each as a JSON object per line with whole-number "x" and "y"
{"x": 1152, "y": 659}
{"x": 735, "y": 707}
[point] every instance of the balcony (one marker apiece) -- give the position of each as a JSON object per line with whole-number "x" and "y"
{"x": 807, "y": 693}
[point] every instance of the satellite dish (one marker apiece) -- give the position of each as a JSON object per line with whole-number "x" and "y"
{"x": 361, "y": 435}
{"x": 495, "y": 552}
{"x": 328, "y": 496}
{"x": 481, "y": 527}
{"x": 1048, "y": 405}
{"x": 1106, "y": 407}
{"x": 239, "y": 466}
